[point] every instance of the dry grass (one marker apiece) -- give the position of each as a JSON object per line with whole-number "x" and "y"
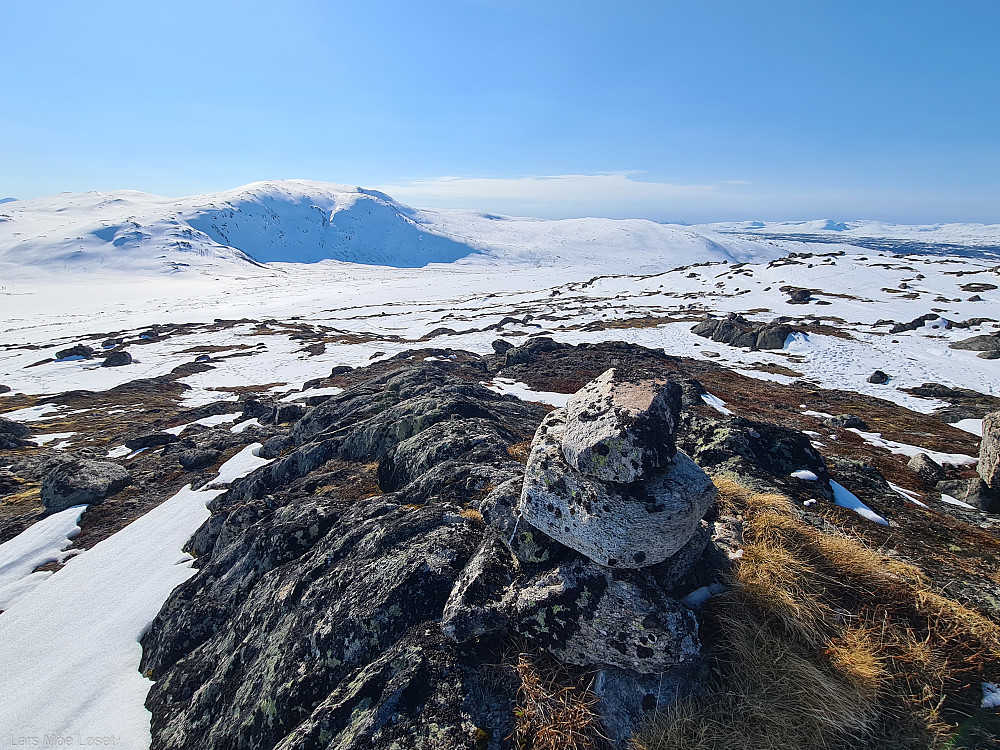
{"x": 828, "y": 644}
{"x": 556, "y": 708}
{"x": 519, "y": 451}
{"x": 473, "y": 515}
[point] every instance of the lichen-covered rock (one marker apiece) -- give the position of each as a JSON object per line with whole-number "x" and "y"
{"x": 82, "y": 482}
{"x": 617, "y": 525}
{"x": 974, "y": 492}
{"x": 294, "y": 606}
{"x": 482, "y": 600}
{"x": 423, "y": 693}
{"x": 762, "y": 455}
{"x": 984, "y": 343}
{"x": 586, "y": 615}
{"x": 621, "y": 429}
{"x": 735, "y": 330}
{"x": 628, "y": 699}
{"x": 529, "y": 545}
{"x": 989, "y": 451}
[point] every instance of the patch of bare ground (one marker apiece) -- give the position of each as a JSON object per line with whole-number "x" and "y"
{"x": 772, "y": 369}
{"x": 646, "y": 321}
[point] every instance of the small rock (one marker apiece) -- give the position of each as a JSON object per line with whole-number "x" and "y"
{"x": 4, "y": 388}
{"x": 82, "y": 482}
{"x": 995, "y": 354}
{"x": 84, "y": 352}
{"x": 152, "y": 440}
{"x": 926, "y": 468}
{"x": 621, "y": 430}
{"x": 989, "y": 451}
{"x": 117, "y": 359}
{"x": 501, "y": 347}
{"x": 878, "y": 378}
{"x": 847, "y": 421}
{"x": 112, "y": 343}
{"x": 203, "y": 358}
{"x": 197, "y": 458}
{"x": 12, "y": 434}
{"x": 340, "y": 370}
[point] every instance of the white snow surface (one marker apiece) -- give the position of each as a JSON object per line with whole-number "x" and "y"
{"x": 40, "y": 543}
{"x": 847, "y": 499}
{"x": 522, "y": 391}
{"x": 70, "y": 647}
{"x": 297, "y": 221}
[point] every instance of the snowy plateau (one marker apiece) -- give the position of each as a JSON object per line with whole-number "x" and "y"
{"x": 244, "y": 314}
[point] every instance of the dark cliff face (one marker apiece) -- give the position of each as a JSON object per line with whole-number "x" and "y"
{"x": 368, "y": 588}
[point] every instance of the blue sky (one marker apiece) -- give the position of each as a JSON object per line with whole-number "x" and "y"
{"x": 697, "y": 110}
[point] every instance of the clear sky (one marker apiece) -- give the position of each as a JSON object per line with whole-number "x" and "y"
{"x": 689, "y": 110}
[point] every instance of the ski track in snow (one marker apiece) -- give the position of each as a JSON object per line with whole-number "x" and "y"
{"x": 70, "y": 647}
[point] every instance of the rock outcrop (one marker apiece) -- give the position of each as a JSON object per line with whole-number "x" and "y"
{"x": 735, "y": 330}
{"x": 332, "y": 611}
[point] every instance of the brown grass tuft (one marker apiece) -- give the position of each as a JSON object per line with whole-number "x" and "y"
{"x": 556, "y": 707}
{"x": 519, "y": 451}
{"x": 825, "y": 643}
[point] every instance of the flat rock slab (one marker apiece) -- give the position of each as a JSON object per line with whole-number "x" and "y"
{"x": 621, "y": 430}
{"x": 615, "y": 525}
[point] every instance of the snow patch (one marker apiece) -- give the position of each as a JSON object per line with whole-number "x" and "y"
{"x": 70, "y": 647}
{"x": 847, "y": 499}
{"x": 42, "y": 542}
{"x": 716, "y": 403}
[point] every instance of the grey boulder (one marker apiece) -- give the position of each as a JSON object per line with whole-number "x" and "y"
{"x": 621, "y": 430}
{"x": 926, "y": 468}
{"x": 616, "y": 525}
{"x": 586, "y": 615}
{"x": 82, "y": 482}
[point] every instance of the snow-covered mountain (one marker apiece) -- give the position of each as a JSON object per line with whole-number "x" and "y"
{"x": 305, "y": 222}
{"x": 968, "y": 235}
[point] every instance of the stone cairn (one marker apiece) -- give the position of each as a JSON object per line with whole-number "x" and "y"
{"x": 585, "y": 550}
{"x": 604, "y": 476}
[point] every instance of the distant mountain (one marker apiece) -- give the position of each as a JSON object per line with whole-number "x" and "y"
{"x": 295, "y": 221}
{"x": 969, "y": 235}
{"x": 7, "y": 200}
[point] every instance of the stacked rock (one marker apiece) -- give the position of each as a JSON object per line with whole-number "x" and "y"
{"x": 604, "y": 476}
